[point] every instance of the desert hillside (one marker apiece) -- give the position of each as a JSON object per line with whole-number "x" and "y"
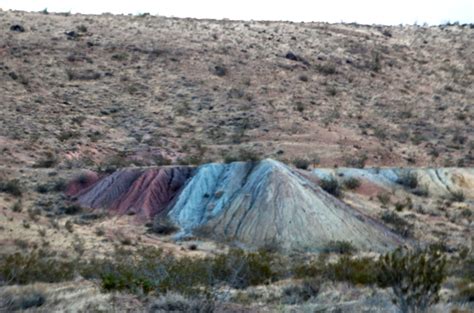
{"x": 79, "y": 90}
{"x": 152, "y": 164}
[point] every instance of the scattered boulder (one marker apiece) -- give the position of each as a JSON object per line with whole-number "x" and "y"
{"x": 294, "y": 57}
{"x": 220, "y": 70}
{"x": 17, "y": 28}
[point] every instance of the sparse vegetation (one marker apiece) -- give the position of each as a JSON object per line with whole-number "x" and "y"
{"x": 457, "y": 196}
{"x": 351, "y": 183}
{"x": 12, "y": 187}
{"x": 163, "y": 226}
{"x": 408, "y": 180}
{"x": 415, "y": 277}
{"x": 302, "y": 163}
{"x": 340, "y": 247}
{"x": 331, "y": 185}
{"x": 398, "y": 224}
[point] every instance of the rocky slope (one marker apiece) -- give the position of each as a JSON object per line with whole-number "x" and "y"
{"x": 79, "y": 91}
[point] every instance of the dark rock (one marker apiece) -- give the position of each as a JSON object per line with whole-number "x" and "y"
{"x": 17, "y": 28}
{"x": 220, "y": 70}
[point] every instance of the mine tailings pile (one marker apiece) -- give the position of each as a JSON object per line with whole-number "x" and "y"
{"x": 256, "y": 204}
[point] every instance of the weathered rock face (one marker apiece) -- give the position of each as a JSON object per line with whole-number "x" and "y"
{"x": 267, "y": 203}
{"x": 135, "y": 191}
{"x": 436, "y": 181}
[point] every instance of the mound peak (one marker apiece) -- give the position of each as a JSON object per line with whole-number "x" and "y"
{"x": 268, "y": 203}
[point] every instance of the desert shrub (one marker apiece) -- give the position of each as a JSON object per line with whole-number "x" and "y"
{"x": 375, "y": 65}
{"x": 175, "y": 302}
{"x": 415, "y": 277}
{"x": 42, "y": 188}
{"x": 34, "y": 213}
{"x": 59, "y": 185}
{"x": 163, "y": 226}
{"x": 301, "y": 163}
{"x": 326, "y": 69}
{"x": 240, "y": 269}
{"x": 12, "y": 187}
{"x": 465, "y": 290}
{"x": 399, "y": 206}
{"x": 70, "y": 209}
{"x": 331, "y": 185}
{"x": 19, "y": 301}
{"x": 34, "y": 266}
{"x": 248, "y": 155}
{"x": 296, "y": 294}
{"x": 457, "y": 196}
{"x": 341, "y": 247}
{"x": 162, "y": 160}
{"x": 48, "y": 160}
{"x": 220, "y": 70}
{"x": 69, "y": 226}
{"x": 363, "y": 271}
{"x": 82, "y": 74}
{"x": 398, "y": 224}
{"x": 17, "y": 206}
{"x": 351, "y": 183}
{"x": 300, "y": 106}
{"x": 408, "y": 180}
{"x": 421, "y": 191}
{"x": 356, "y": 161}
{"x": 384, "y": 198}
{"x": 314, "y": 269}
{"x": 303, "y": 78}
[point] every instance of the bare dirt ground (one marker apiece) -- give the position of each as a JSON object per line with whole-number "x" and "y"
{"x": 81, "y": 89}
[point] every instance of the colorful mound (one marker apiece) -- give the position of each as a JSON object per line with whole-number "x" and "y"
{"x": 145, "y": 192}
{"x": 267, "y": 203}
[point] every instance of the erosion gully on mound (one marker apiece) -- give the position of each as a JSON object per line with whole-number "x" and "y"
{"x": 259, "y": 203}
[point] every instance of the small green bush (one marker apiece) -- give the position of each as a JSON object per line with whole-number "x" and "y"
{"x": 363, "y": 271}
{"x": 35, "y": 266}
{"x": 384, "y": 198}
{"x": 351, "y": 183}
{"x": 12, "y": 187}
{"x": 175, "y": 302}
{"x": 408, "y": 180}
{"x": 163, "y": 226}
{"x": 331, "y": 185}
{"x": 12, "y": 301}
{"x": 296, "y": 294}
{"x": 457, "y": 196}
{"x": 301, "y": 163}
{"x": 49, "y": 160}
{"x": 341, "y": 247}
{"x": 415, "y": 277}
{"x": 398, "y": 224}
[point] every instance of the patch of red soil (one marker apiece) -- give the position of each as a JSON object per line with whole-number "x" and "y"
{"x": 369, "y": 189}
{"x": 135, "y": 191}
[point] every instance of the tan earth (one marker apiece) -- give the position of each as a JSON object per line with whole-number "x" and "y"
{"x": 82, "y": 96}
{"x": 82, "y": 89}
